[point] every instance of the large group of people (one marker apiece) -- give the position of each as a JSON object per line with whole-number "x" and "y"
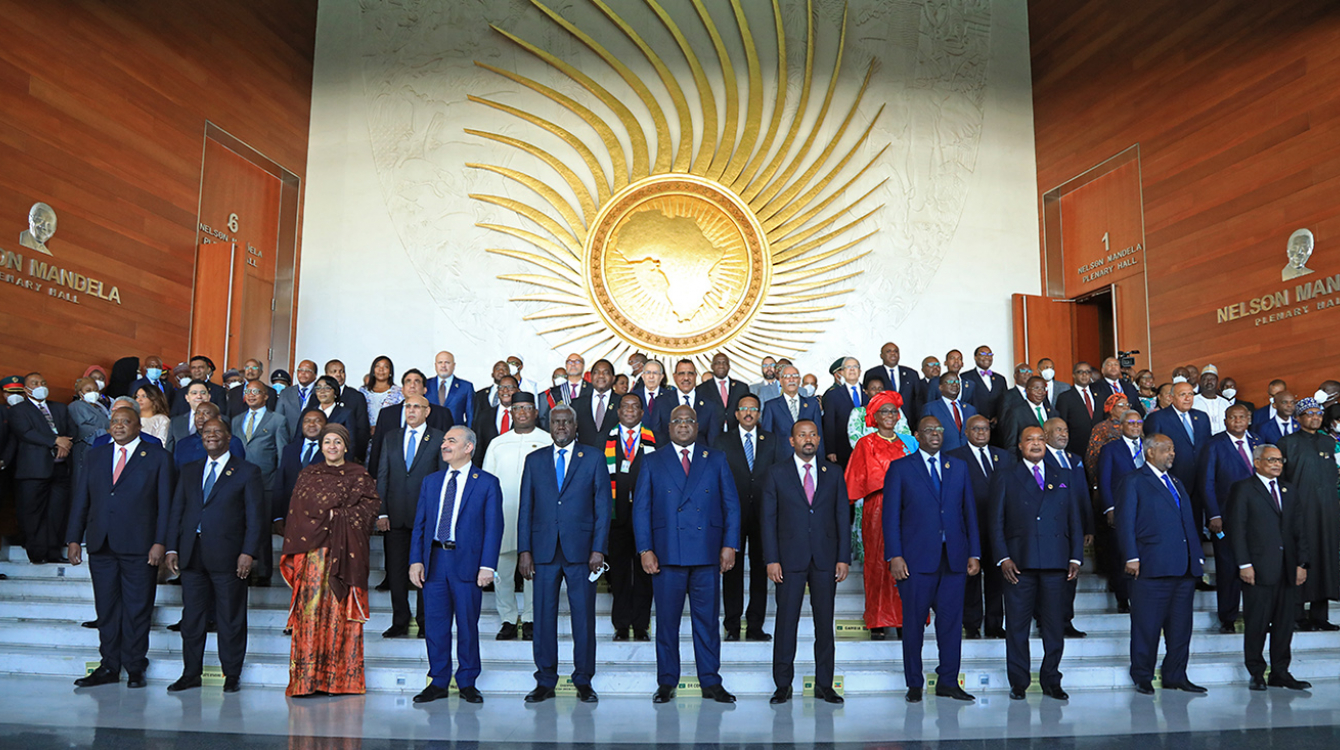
{"x": 960, "y": 491}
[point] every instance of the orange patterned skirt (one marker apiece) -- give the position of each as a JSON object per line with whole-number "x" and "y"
{"x": 327, "y": 651}
{"x": 883, "y": 605}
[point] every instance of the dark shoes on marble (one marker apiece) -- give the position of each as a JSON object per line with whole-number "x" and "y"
{"x": 99, "y": 676}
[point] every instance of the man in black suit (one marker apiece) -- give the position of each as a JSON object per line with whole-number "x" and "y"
{"x": 412, "y": 383}
{"x": 410, "y": 456}
{"x": 486, "y": 399}
{"x": 569, "y": 385}
{"x": 898, "y": 378}
{"x": 297, "y": 455}
{"x": 988, "y": 388}
{"x": 253, "y": 370}
{"x": 725, "y": 390}
{"x": 356, "y": 403}
{"x": 1080, "y": 407}
{"x": 806, "y": 541}
{"x": 630, "y": 585}
{"x": 708, "y": 410}
{"x": 43, "y": 436}
{"x": 983, "y": 460}
{"x": 123, "y": 501}
{"x": 1057, "y": 435}
{"x": 838, "y": 404}
{"x": 202, "y": 369}
{"x": 750, "y": 453}
{"x": 1110, "y": 382}
{"x": 1031, "y": 410}
{"x": 215, "y": 532}
{"x": 1264, "y": 525}
{"x": 598, "y": 407}
{"x": 492, "y": 421}
{"x": 650, "y": 387}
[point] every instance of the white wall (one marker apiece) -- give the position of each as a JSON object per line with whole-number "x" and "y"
{"x": 393, "y": 264}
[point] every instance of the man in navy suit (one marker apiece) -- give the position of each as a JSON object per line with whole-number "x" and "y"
{"x": 43, "y": 435}
{"x": 215, "y": 533}
{"x": 838, "y": 404}
{"x": 1225, "y": 460}
{"x": 1036, "y": 531}
{"x": 1030, "y": 410}
{"x": 597, "y": 410}
{"x": 1110, "y": 382}
{"x": 298, "y": 455}
{"x": 952, "y": 413}
{"x": 806, "y": 543}
{"x": 1080, "y": 408}
{"x": 781, "y": 413}
{"x": 1189, "y": 430}
{"x": 649, "y": 389}
{"x": 562, "y": 535}
{"x": 708, "y": 410}
{"x": 686, "y": 514}
{"x": 931, "y": 543}
{"x": 722, "y": 382}
{"x": 984, "y": 460}
{"x": 988, "y": 388}
{"x": 1267, "y": 412}
{"x": 1117, "y": 460}
{"x": 1282, "y": 423}
{"x": 1057, "y": 434}
{"x": 450, "y": 392}
{"x": 453, "y": 554}
{"x": 1162, "y": 549}
{"x": 123, "y": 501}
{"x": 896, "y": 377}
{"x": 953, "y": 364}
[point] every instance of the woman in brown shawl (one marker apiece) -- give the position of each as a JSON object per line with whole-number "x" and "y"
{"x": 325, "y": 562}
{"x": 1115, "y": 407}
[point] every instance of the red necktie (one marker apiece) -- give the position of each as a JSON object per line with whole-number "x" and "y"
{"x": 725, "y": 399}
{"x": 120, "y": 466}
{"x": 1088, "y": 403}
{"x": 958, "y": 417}
{"x": 506, "y": 423}
{"x": 685, "y": 453}
{"x": 651, "y": 401}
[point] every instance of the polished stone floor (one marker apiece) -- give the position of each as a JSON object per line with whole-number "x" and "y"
{"x": 39, "y": 713}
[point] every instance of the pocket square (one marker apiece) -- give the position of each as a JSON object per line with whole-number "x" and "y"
{"x": 1063, "y": 485}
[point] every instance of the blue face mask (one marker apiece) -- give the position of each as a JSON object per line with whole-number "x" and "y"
{"x": 153, "y": 373}
{"x": 278, "y": 387}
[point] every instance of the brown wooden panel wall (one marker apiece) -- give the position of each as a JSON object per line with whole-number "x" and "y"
{"x": 1236, "y": 108}
{"x": 102, "y": 115}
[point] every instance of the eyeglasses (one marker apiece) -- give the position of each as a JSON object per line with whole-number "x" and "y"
{"x": 931, "y": 429}
{"x": 323, "y": 388}
{"x": 1273, "y": 459}
{"x": 932, "y": 364}
{"x": 252, "y": 392}
{"x": 748, "y": 409}
{"x": 683, "y": 421}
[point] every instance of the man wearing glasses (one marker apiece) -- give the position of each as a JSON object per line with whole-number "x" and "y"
{"x": 987, "y": 388}
{"x": 264, "y": 434}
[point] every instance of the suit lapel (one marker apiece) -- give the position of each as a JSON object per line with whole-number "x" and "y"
{"x": 422, "y": 448}
{"x": 696, "y": 472}
{"x": 132, "y": 459}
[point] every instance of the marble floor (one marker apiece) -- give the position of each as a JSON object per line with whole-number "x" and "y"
{"x": 41, "y": 712}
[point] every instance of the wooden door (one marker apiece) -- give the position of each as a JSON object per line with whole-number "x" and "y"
{"x": 1043, "y": 328}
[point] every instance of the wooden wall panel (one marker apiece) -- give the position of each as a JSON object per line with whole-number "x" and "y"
{"x": 1236, "y": 110}
{"x": 104, "y": 109}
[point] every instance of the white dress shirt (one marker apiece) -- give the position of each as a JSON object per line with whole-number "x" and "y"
{"x": 129, "y": 448}
{"x": 461, "y": 478}
{"x": 800, "y": 470}
{"x": 219, "y": 464}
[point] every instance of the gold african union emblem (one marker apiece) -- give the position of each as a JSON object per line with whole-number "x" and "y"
{"x": 737, "y": 246}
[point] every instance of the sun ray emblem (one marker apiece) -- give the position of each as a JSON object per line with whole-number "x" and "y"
{"x": 677, "y": 252}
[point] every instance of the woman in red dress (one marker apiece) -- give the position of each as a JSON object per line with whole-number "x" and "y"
{"x": 869, "y": 461}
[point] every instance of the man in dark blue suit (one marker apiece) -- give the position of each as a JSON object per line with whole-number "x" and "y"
{"x": 215, "y": 533}
{"x": 838, "y": 404}
{"x": 806, "y": 543}
{"x": 43, "y": 436}
{"x": 1057, "y": 434}
{"x": 708, "y": 410}
{"x": 931, "y": 542}
{"x": 1162, "y": 549}
{"x": 123, "y": 501}
{"x": 1189, "y": 430}
{"x": 1272, "y": 428}
{"x": 1117, "y": 460}
{"x": 1036, "y": 531}
{"x": 453, "y": 554}
{"x": 953, "y": 365}
{"x": 988, "y": 388}
{"x": 685, "y": 515}
{"x": 1110, "y": 382}
{"x": 896, "y": 377}
{"x": 781, "y": 414}
{"x": 1267, "y": 412}
{"x": 1225, "y": 460}
{"x": 649, "y": 390}
{"x": 562, "y": 535}
{"x": 984, "y": 460}
{"x": 712, "y": 390}
{"x": 952, "y": 413}
{"x": 192, "y": 448}
{"x": 450, "y": 392}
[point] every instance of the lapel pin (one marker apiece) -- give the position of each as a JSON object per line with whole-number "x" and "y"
{"x": 474, "y": 476}
{"x": 704, "y": 454}
{"x": 1049, "y": 486}
{"x": 823, "y": 468}
{"x": 1284, "y": 489}
{"x": 142, "y": 453}
{"x": 228, "y": 473}
{"x": 579, "y": 454}
{"x": 946, "y": 464}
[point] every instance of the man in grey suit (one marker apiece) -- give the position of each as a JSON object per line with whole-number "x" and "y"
{"x": 409, "y": 454}
{"x": 293, "y": 400}
{"x": 264, "y": 434}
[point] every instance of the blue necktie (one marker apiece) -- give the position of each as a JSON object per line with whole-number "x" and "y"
{"x": 1167, "y": 481}
{"x": 444, "y": 523}
{"x": 1060, "y": 456}
{"x": 1190, "y": 433}
{"x": 308, "y": 451}
{"x": 560, "y": 468}
{"x": 935, "y": 477}
{"x": 409, "y": 449}
{"x": 855, "y": 397}
{"x": 210, "y": 479}
{"x": 749, "y": 449}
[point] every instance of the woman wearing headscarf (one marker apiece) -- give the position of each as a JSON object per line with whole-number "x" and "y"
{"x": 1115, "y": 407}
{"x": 1309, "y": 465}
{"x": 98, "y": 374}
{"x": 869, "y": 462}
{"x": 325, "y": 561}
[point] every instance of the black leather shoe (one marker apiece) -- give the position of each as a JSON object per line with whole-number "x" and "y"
{"x": 1325, "y": 626}
{"x": 879, "y": 634}
{"x": 289, "y": 631}
{"x": 1186, "y": 687}
{"x": 1201, "y": 585}
{"x": 396, "y": 632}
{"x": 1016, "y": 694}
{"x": 507, "y": 632}
{"x": 1123, "y": 608}
{"x": 135, "y": 680}
{"x": 828, "y": 695}
{"x": 641, "y": 636}
{"x": 184, "y": 682}
{"x": 780, "y": 695}
{"x": 998, "y": 633}
{"x": 972, "y": 634}
{"x": 1257, "y": 683}
{"x": 1072, "y": 632}
{"x": 718, "y": 694}
{"x": 913, "y": 695}
{"x": 99, "y": 676}
{"x": 732, "y": 637}
{"x": 760, "y": 636}
{"x": 953, "y": 691}
{"x": 1227, "y": 628}
{"x": 431, "y": 693}
{"x": 587, "y": 694}
{"x": 1288, "y": 681}
{"x": 540, "y": 694}
{"x": 621, "y": 634}
{"x": 663, "y": 694}
{"x": 1304, "y": 626}
{"x": 385, "y": 585}
{"x": 232, "y": 684}
{"x": 175, "y": 627}
{"x": 1144, "y": 688}
{"x": 1056, "y": 693}
{"x": 471, "y": 695}
{"x": 527, "y": 631}
{"x": 93, "y": 624}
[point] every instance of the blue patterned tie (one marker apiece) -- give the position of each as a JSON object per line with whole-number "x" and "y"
{"x": 935, "y": 477}
{"x": 210, "y": 479}
{"x": 749, "y": 449}
{"x": 410, "y": 448}
{"x": 560, "y": 468}
{"x": 1190, "y": 433}
{"x": 444, "y": 523}
{"x": 308, "y": 451}
{"x": 1167, "y": 481}
{"x": 1060, "y": 456}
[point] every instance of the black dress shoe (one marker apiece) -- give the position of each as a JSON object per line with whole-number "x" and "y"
{"x": 587, "y": 694}
{"x": 1201, "y": 585}
{"x": 431, "y": 693}
{"x": 396, "y": 632}
{"x": 1123, "y": 608}
{"x": 1257, "y": 683}
{"x": 1016, "y": 694}
{"x": 1144, "y": 688}
{"x": 663, "y": 694}
{"x": 185, "y": 682}
{"x": 732, "y": 637}
{"x": 641, "y": 636}
{"x": 288, "y": 631}
{"x": 972, "y": 634}
{"x": 423, "y": 634}
{"x": 1325, "y": 626}
{"x": 175, "y": 627}
{"x": 507, "y": 632}
{"x": 135, "y": 680}
{"x": 879, "y": 634}
{"x": 471, "y": 695}
{"x": 1227, "y": 628}
{"x": 621, "y": 634}
{"x": 540, "y": 694}
{"x": 1304, "y": 626}
{"x": 232, "y": 684}
{"x": 998, "y": 633}
{"x": 828, "y": 694}
{"x": 1072, "y": 632}
{"x": 913, "y": 695}
{"x": 1186, "y": 687}
{"x": 1288, "y": 681}
{"x": 780, "y": 695}
{"x": 385, "y": 585}
{"x": 1056, "y": 693}
{"x": 89, "y": 624}
{"x": 760, "y": 636}
{"x": 718, "y": 694}
{"x": 953, "y": 691}
{"x": 527, "y": 631}
{"x": 99, "y": 676}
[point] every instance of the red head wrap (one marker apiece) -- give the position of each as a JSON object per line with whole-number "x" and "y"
{"x": 878, "y": 402}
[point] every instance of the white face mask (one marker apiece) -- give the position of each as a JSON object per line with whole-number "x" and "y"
{"x": 91, "y": 397}
{"x": 233, "y": 385}
{"x": 1178, "y": 379}
{"x": 807, "y": 390}
{"x": 1229, "y": 393}
{"x": 184, "y": 381}
{"x": 513, "y": 369}
{"x": 560, "y": 381}
{"x": 100, "y": 383}
{"x": 40, "y": 393}
{"x": 1047, "y": 374}
{"x": 14, "y": 399}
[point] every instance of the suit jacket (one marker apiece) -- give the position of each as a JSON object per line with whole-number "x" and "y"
{"x": 479, "y": 523}
{"x": 357, "y": 404}
{"x": 621, "y": 481}
{"x": 954, "y": 437}
{"x": 1168, "y": 422}
{"x": 987, "y": 402}
{"x": 1260, "y": 416}
{"x": 1219, "y": 467}
{"x": 218, "y": 395}
{"x": 734, "y": 390}
{"x": 34, "y": 442}
{"x": 1038, "y": 528}
{"x": 915, "y": 518}
{"x": 1070, "y": 407}
{"x": 1115, "y": 463}
{"x": 1078, "y": 484}
{"x": 909, "y": 387}
{"x": 343, "y": 415}
{"x": 1270, "y": 432}
{"x": 486, "y": 430}
{"x": 556, "y": 395}
{"x": 398, "y": 484}
{"x": 708, "y": 411}
{"x": 1055, "y": 389}
{"x": 588, "y": 432}
{"x": 179, "y": 428}
{"x": 768, "y": 450}
{"x": 1017, "y": 415}
{"x": 231, "y": 520}
{"x": 1270, "y": 540}
{"x": 286, "y": 478}
{"x": 640, "y": 391}
{"x": 290, "y": 405}
{"x": 799, "y": 534}
{"x": 575, "y": 516}
{"x": 1155, "y": 529}
{"x": 686, "y": 520}
{"x": 777, "y": 418}
{"x": 237, "y": 403}
{"x": 1102, "y": 390}
{"x": 966, "y": 394}
{"x": 192, "y": 448}
{"x": 981, "y": 482}
{"x": 837, "y": 408}
{"x": 163, "y": 384}
{"x": 389, "y": 418}
{"x": 267, "y": 442}
{"x": 766, "y": 391}
{"x": 128, "y": 516}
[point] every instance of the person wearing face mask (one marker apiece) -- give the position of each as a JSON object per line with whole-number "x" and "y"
{"x": 12, "y": 389}
{"x": 154, "y": 376}
{"x": 1309, "y": 465}
{"x": 45, "y": 437}
{"x": 200, "y": 368}
{"x": 515, "y": 364}
{"x": 279, "y": 380}
{"x": 1228, "y": 390}
{"x": 1047, "y": 371}
{"x": 88, "y": 418}
{"x": 636, "y": 361}
{"x": 781, "y": 413}
{"x": 1208, "y": 400}
{"x": 810, "y": 384}
{"x": 99, "y": 377}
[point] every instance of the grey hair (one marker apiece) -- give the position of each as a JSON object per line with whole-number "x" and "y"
{"x": 470, "y": 436}
{"x": 127, "y": 403}
{"x": 651, "y": 362}
{"x": 563, "y": 407}
{"x": 1259, "y": 451}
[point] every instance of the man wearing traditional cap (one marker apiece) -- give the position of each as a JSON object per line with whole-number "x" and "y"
{"x": 1309, "y": 465}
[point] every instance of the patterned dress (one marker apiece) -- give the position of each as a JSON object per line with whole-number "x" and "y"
{"x": 865, "y": 481}
{"x": 325, "y": 562}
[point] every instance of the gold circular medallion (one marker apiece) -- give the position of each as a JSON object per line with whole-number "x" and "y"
{"x": 677, "y": 264}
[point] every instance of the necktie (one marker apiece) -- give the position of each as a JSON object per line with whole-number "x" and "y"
{"x": 210, "y": 479}
{"x": 560, "y": 468}
{"x": 47, "y": 413}
{"x": 1037, "y": 475}
{"x": 651, "y": 401}
{"x": 1284, "y": 424}
{"x": 630, "y": 445}
{"x": 935, "y": 477}
{"x": 444, "y": 531}
{"x": 893, "y": 379}
{"x": 302, "y": 396}
{"x": 1167, "y": 481}
{"x": 572, "y": 391}
{"x": 308, "y": 451}
{"x": 411, "y": 447}
{"x": 794, "y": 405}
{"x": 120, "y": 466}
{"x": 1275, "y": 495}
{"x": 1190, "y": 433}
{"x": 1041, "y": 419}
{"x": 1137, "y": 455}
{"x": 986, "y": 461}
{"x": 958, "y": 416}
{"x": 1060, "y": 457}
{"x": 684, "y": 453}
{"x": 725, "y": 397}
{"x": 809, "y": 485}
{"x": 855, "y": 397}
{"x": 507, "y": 422}
{"x": 749, "y": 449}
{"x": 493, "y": 397}
{"x": 441, "y": 392}
{"x": 686, "y": 397}
{"x": 600, "y": 409}
{"x": 251, "y": 424}
{"x": 1242, "y": 451}
{"x": 1088, "y": 402}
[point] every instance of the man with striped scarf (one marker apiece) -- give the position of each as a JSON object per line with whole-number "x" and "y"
{"x": 625, "y": 445}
